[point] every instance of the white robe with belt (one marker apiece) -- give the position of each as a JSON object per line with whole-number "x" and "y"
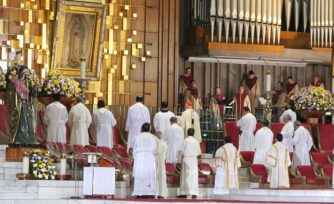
{"x": 79, "y": 120}
{"x": 302, "y": 140}
{"x": 138, "y": 114}
{"x": 174, "y": 137}
{"x": 262, "y": 143}
{"x": 144, "y": 167}
{"x": 227, "y": 163}
{"x": 190, "y": 119}
{"x": 278, "y": 160}
{"x": 287, "y": 132}
{"x": 160, "y": 159}
{"x": 247, "y": 124}
{"x": 189, "y": 174}
{"x": 161, "y": 121}
{"x": 104, "y": 121}
{"x": 55, "y": 117}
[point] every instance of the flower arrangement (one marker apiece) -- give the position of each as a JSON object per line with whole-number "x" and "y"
{"x": 2, "y": 79}
{"x": 313, "y": 99}
{"x": 55, "y": 83}
{"x": 41, "y": 164}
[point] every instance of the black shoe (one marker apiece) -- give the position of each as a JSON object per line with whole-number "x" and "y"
{"x": 181, "y": 196}
{"x": 194, "y": 196}
{"x": 160, "y": 197}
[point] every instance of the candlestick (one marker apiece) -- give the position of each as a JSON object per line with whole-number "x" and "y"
{"x": 268, "y": 81}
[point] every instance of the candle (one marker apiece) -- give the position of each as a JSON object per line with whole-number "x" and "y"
{"x": 268, "y": 81}
{"x": 83, "y": 68}
{"x": 26, "y": 165}
{"x": 63, "y": 166}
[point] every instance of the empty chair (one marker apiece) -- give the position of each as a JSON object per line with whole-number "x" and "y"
{"x": 247, "y": 157}
{"x": 120, "y": 151}
{"x": 312, "y": 179}
{"x": 258, "y": 174}
{"x": 61, "y": 147}
{"x": 108, "y": 158}
{"x": 319, "y": 159}
{"x": 326, "y": 138}
{"x": 296, "y": 180}
{"x": 173, "y": 176}
{"x": 327, "y": 171}
{"x": 205, "y": 174}
{"x": 69, "y": 148}
{"x": 91, "y": 148}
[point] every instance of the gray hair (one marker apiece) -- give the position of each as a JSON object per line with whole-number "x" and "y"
{"x": 80, "y": 99}
{"x": 297, "y": 123}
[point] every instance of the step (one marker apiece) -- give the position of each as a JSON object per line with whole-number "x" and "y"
{"x": 13, "y": 189}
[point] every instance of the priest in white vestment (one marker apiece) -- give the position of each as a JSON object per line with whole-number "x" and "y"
{"x": 55, "y": 117}
{"x": 79, "y": 120}
{"x": 190, "y": 119}
{"x": 174, "y": 137}
{"x": 287, "y": 132}
{"x": 189, "y": 152}
{"x": 247, "y": 125}
{"x": 160, "y": 159}
{"x": 278, "y": 160}
{"x": 161, "y": 120}
{"x": 138, "y": 114}
{"x": 262, "y": 143}
{"x": 289, "y": 111}
{"x": 104, "y": 121}
{"x": 227, "y": 163}
{"x": 144, "y": 166}
{"x": 303, "y": 142}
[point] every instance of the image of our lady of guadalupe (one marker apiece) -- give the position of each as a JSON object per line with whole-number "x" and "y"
{"x": 20, "y": 92}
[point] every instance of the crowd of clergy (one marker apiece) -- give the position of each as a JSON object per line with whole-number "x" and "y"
{"x": 177, "y": 139}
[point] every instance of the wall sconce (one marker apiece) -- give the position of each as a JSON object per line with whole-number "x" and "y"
{"x": 139, "y": 46}
{"x": 134, "y": 32}
{"x": 126, "y": 7}
{"x": 148, "y": 53}
{"x": 22, "y": 5}
{"x": 116, "y": 27}
{"x": 120, "y": 14}
{"x": 129, "y": 40}
{"x": 134, "y": 15}
{"x": 125, "y": 52}
{"x": 142, "y": 59}
{"x": 115, "y": 52}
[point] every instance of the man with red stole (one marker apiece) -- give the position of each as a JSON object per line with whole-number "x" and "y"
{"x": 184, "y": 84}
{"x": 241, "y": 100}
{"x": 317, "y": 82}
{"x": 252, "y": 87}
{"x": 192, "y": 95}
{"x": 278, "y": 99}
{"x": 291, "y": 87}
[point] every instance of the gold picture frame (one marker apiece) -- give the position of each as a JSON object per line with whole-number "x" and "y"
{"x": 79, "y": 34}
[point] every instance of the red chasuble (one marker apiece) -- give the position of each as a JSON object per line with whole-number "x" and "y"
{"x": 187, "y": 80}
{"x": 250, "y": 82}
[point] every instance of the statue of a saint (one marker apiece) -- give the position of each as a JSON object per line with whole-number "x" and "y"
{"x": 20, "y": 105}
